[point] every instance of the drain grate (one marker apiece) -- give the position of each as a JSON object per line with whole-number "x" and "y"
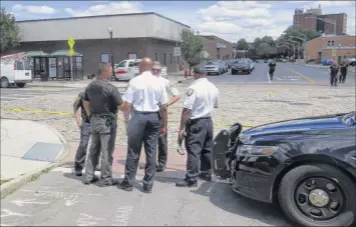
{"x": 46, "y": 152}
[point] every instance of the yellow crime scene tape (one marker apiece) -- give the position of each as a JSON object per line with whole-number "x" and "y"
{"x": 70, "y": 114}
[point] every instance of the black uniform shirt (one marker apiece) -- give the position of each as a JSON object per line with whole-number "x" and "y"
{"x": 334, "y": 69}
{"x": 78, "y": 103}
{"x": 104, "y": 97}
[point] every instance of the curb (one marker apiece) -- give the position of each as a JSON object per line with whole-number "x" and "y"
{"x": 11, "y": 186}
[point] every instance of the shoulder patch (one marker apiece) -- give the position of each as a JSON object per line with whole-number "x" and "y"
{"x": 78, "y": 99}
{"x": 189, "y": 92}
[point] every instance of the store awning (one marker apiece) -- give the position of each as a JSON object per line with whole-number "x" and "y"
{"x": 65, "y": 53}
{"x": 36, "y": 54}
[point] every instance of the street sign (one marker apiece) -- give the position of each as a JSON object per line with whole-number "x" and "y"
{"x": 333, "y": 52}
{"x": 176, "y": 51}
{"x": 71, "y": 52}
{"x": 71, "y": 42}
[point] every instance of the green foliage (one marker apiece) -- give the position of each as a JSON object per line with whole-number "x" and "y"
{"x": 191, "y": 47}
{"x": 242, "y": 44}
{"x": 10, "y": 32}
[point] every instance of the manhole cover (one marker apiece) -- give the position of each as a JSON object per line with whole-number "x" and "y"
{"x": 300, "y": 103}
{"x": 43, "y": 152}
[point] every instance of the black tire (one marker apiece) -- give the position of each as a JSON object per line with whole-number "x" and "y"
{"x": 289, "y": 183}
{"x": 4, "y": 83}
{"x": 233, "y": 72}
{"x": 21, "y": 85}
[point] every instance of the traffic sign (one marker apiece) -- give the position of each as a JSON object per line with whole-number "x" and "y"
{"x": 71, "y": 42}
{"x": 333, "y": 52}
{"x": 176, "y": 51}
{"x": 71, "y": 52}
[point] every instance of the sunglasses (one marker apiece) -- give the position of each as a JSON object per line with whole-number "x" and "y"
{"x": 156, "y": 70}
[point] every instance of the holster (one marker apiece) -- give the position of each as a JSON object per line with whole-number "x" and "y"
{"x": 102, "y": 124}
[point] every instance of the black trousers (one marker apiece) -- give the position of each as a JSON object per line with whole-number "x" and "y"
{"x": 333, "y": 79}
{"x": 142, "y": 128}
{"x": 199, "y": 144}
{"x": 342, "y": 76}
{"x": 82, "y": 148}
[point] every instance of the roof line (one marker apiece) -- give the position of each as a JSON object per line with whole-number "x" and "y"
{"x": 109, "y": 15}
{"x": 337, "y": 36}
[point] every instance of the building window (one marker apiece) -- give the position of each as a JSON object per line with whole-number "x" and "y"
{"x": 332, "y": 43}
{"x": 105, "y": 58}
{"x": 164, "y": 59}
{"x": 79, "y": 62}
{"x": 156, "y": 57}
{"x": 171, "y": 58}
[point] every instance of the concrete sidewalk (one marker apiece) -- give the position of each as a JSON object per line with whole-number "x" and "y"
{"x": 27, "y": 149}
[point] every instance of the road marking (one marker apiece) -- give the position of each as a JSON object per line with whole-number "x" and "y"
{"x": 310, "y": 80}
{"x": 28, "y": 201}
{"x": 269, "y": 79}
{"x": 54, "y": 192}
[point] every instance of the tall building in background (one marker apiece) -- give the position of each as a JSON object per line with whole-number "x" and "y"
{"x": 314, "y": 19}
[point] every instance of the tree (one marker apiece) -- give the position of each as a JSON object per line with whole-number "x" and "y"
{"x": 242, "y": 44}
{"x": 191, "y": 48}
{"x": 10, "y": 32}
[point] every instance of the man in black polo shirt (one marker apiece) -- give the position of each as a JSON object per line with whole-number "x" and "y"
{"x": 102, "y": 101}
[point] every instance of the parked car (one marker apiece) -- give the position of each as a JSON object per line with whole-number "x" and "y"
{"x": 352, "y": 61}
{"x": 15, "y": 70}
{"x": 241, "y": 66}
{"x": 224, "y": 65}
{"x": 214, "y": 67}
{"x": 307, "y": 165}
{"x": 252, "y": 63}
{"x": 128, "y": 69}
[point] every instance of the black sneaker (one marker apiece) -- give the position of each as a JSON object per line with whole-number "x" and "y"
{"x": 160, "y": 169}
{"x": 205, "y": 176}
{"x": 147, "y": 189}
{"x": 105, "y": 183}
{"x": 125, "y": 187}
{"x": 87, "y": 182}
{"x": 185, "y": 183}
{"x": 78, "y": 173}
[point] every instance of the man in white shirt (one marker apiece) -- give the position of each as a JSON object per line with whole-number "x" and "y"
{"x": 174, "y": 93}
{"x": 200, "y": 100}
{"x": 147, "y": 98}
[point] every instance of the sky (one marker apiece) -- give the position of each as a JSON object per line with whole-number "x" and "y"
{"x": 230, "y": 20}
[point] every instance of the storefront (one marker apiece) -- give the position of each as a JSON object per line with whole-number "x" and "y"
{"x": 59, "y": 63}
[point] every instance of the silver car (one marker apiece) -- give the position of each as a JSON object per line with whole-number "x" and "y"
{"x": 214, "y": 67}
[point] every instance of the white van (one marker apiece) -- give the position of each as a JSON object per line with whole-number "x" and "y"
{"x": 15, "y": 70}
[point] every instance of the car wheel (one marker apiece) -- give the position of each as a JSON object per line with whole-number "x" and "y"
{"x": 318, "y": 195}
{"x": 21, "y": 84}
{"x": 233, "y": 72}
{"x": 4, "y": 82}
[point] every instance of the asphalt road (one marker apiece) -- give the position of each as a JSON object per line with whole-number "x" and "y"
{"x": 14, "y": 93}
{"x": 286, "y": 73}
{"x": 60, "y": 199}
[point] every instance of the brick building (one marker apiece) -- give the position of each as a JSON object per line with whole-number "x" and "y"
{"x": 313, "y": 19}
{"x": 217, "y": 48}
{"x": 133, "y": 36}
{"x": 330, "y": 47}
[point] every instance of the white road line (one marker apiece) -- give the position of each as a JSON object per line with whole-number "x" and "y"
{"x": 269, "y": 79}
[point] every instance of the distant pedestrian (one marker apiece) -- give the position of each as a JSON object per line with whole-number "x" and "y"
{"x": 148, "y": 100}
{"x": 343, "y": 71}
{"x": 200, "y": 100}
{"x": 272, "y": 67}
{"x": 162, "y": 139}
{"x": 102, "y": 101}
{"x": 334, "y": 69}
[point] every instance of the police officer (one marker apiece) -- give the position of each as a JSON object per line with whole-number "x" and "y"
{"x": 200, "y": 100}
{"x": 272, "y": 67}
{"x": 148, "y": 99}
{"x": 102, "y": 101}
{"x": 343, "y": 71}
{"x": 83, "y": 124}
{"x": 162, "y": 139}
{"x": 334, "y": 69}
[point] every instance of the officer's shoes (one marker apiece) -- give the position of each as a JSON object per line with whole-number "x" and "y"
{"x": 106, "y": 183}
{"x": 159, "y": 169}
{"x": 125, "y": 187}
{"x": 147, "y": 189}
{"x": 87, "y": 182}
{"x": 206, "y": 177}
{"x": 78, "y": 173}
{"x": 185, "y": 183}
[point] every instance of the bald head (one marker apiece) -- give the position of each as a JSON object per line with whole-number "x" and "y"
{"x": 145, "y": 64}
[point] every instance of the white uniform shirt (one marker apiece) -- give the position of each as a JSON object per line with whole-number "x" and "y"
{"x": 201, "y": 98}
{"x": 145, "y": 93}
{"x": 168, "y": 87}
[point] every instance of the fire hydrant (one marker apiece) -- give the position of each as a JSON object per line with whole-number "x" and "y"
{"x": 185, "y": 72}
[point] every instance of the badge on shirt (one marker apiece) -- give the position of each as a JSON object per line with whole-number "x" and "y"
{"x": 189, "y": 92}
